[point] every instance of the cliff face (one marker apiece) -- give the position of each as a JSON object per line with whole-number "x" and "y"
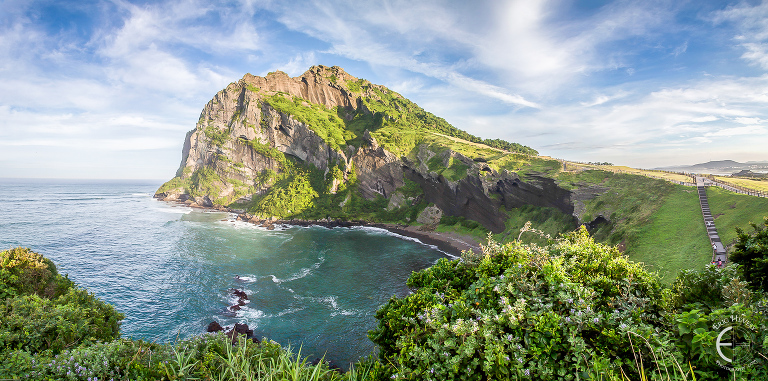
{"x": 262, "y": 139}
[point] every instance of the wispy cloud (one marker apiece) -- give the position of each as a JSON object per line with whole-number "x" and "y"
{"x": 752, "y": 26}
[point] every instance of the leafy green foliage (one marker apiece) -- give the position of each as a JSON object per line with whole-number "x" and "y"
{"x": 23, "y": 271}
{"x": 37, "y": 324}
{"x": 204, "y": 181}
{"x": 516, "y": 311}
{"x": 702, "y": 289}
{"x": 751, "y": 253}
{"x": 287, "y": 197}
{"x": 174, "y": 184}
{"x": 43, "y": 311}
{"x": 217, "y": 136}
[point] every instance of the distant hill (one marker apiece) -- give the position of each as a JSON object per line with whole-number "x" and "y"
{"x": 720, "y": 167}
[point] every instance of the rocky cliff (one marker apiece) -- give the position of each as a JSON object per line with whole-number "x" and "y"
{"x": 329, "y": 144}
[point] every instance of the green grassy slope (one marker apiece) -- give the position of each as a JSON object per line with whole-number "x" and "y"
{"x": 657, "y": 222}
{"x": 674, "y": 238}
{"x": 732, "y": 210}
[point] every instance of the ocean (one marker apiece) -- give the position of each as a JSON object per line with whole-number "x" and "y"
{"x": 170, "y": 269}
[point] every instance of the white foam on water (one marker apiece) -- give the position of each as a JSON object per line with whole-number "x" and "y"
{"x": 346, "y": 312}
{"x": 289, "y": 311}
{"x": 250, "y": 314}
{"x": 299, "y": 274}
{"x": 330, "y": 301}
{"x": 382, "y": 231}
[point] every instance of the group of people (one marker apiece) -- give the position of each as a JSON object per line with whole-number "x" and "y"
{"x": 719, "y": 263}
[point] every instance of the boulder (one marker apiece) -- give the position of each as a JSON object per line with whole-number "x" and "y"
{"x": 431, "y": 215}
{"x": 241, "y": 330}
{"x": 214, "y": 327}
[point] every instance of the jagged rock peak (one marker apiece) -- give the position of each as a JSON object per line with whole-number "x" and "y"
{"x": 320, "y": 84}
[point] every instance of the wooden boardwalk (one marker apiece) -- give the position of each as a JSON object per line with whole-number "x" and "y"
{"x": 718, "y": 250}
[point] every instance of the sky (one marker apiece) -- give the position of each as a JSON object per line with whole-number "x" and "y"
{"x": 108, "y": 89}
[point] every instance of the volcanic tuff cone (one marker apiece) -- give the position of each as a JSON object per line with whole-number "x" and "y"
{"x": 327, "y": 144}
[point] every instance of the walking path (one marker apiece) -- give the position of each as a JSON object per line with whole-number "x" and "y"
{"x": 718, "y": 250}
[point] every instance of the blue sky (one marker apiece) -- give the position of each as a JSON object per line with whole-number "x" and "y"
{"x": 107, "y": 89}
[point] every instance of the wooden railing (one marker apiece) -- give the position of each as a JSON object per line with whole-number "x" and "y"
{"x": 736, "y": 188}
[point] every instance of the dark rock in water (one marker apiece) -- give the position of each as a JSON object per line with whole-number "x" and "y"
{"x": 214, "y": 327}
{"x": 241, "y": 330}
{"x": 236, "y": 307}
{"x": 240, "y": 294}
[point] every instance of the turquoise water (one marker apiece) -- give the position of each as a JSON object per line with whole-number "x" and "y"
{"x": 168, "y": 268}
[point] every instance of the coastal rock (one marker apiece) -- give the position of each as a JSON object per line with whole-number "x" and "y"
{"x": 242, "y": 299}
{"x": 396, "y": 201}
{"x": 379, "y": 172}
{"x": 214, "y": 326}
{"x": 241, "y": 330}
{"x": 430, "y": 216}
{"x": 240, "y": 294}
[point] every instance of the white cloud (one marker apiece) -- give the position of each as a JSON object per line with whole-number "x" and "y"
{"x": 735, "y": 131}
{"x": 662, "y": 124}
{"x": 752, "y": 25}
{"x": 602, "y": 98}
{"x": 748, "y": 120}
{"x": 703, "y": 119}
{"x": 297, "y": 65}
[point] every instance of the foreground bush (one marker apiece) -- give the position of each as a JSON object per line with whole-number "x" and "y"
{"x": 23, "y": 271}
{"x": 43, "y": 311}
{"x": 571, "y": 310}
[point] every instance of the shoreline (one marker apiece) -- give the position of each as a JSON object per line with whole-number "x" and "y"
{"x": 452, "y": 244}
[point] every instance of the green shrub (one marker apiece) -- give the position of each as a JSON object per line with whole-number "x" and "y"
{"x": 36, "y": 324}
{"x": 518, "y": 311}
{"x": 751, "y": 253}
{"x": 702, "y": 289}
{"x": 23, "y": 271}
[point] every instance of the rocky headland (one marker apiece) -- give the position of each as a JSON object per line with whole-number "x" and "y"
{"x": 329, "y": 149}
